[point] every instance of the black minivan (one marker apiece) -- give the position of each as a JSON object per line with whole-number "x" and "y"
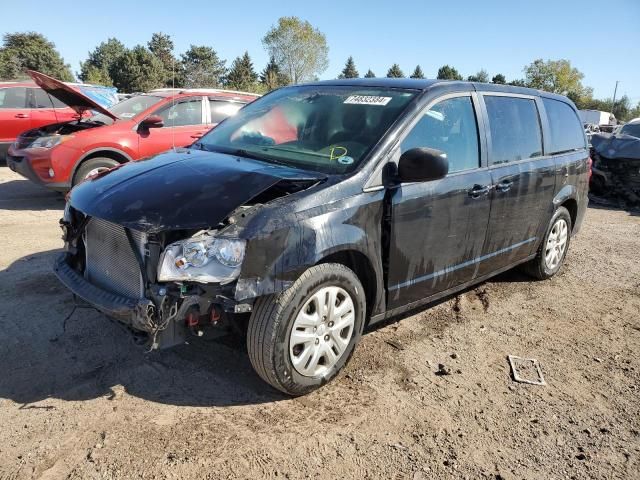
{"x": 322, "y": 208}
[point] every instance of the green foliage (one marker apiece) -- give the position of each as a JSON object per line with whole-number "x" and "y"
{"x": 31, "y": 51}
{"x": 556, "y": 76}
{"x": 299, "y": 49}
{"x": 482, "y": 77}
{"x": 517, "y": 83}
{"x": 161, "y": 46}
{"x": 369, "y": 74}
{"x": 395, "y": 72}
{"x": 622, "y": 110}
{"x": 99, "y": 65}
{"x": 448, "y": 73}
{"x": 202, "y": 68}
{"x": 499, "y": 79}
{"x": 138, "y": 70}
{"x": 271, "y": 77}
{"x": 241, "y": 75}
{"x": 349, "y": 70}
{"x": 417, "y": 73}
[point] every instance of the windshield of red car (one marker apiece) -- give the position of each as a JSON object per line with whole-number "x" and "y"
{"x": 127, "y": 109}
{"x": 324, "y": 128}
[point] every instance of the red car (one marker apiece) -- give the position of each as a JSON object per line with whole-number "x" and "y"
{"x": 24, "y": 105}
{"x": 61, "y": 155}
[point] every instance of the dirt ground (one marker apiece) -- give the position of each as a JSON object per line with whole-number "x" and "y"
{"x": 84, "y": 402}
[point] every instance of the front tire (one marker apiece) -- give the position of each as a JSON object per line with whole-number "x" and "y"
{"x": 553, "y": 248}
{"x": 300, "y": 339}
{"x": 92, "y": 167}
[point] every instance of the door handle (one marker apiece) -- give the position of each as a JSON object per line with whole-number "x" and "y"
{"x": 22, "y": 115}
{"x": 479, "y": 191}
{"x": 197, "y": 135}
{"x": 504, "y": 186}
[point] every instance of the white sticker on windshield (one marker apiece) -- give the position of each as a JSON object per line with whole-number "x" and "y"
{"x": 367, "y": 100}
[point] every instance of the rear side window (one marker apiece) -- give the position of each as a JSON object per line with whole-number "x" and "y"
{"x": 13, "y": 97}
{"x": 221, "y": 109}
{"x": 515, "y": 129}
{"x": 566, "y": 131}
{"x": 449, "y": 126}
{"x": 57, "y": 103}
{"x": 39, "y": 99}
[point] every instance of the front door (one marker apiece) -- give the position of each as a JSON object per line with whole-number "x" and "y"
{"x": 438, "y": 228}
{"x": 184, "y": 123}
{"x": 523, "y": 179}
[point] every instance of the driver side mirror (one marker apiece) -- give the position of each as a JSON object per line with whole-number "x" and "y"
{"x": 152, "y": 121}
{"x": 422, "y": 165}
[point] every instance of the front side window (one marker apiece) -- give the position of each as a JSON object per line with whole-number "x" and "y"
{"x": 182, "y": 113}
{"x": 515, "y": 129}
{"x": 566, "y": 133}
{"x": 449, "y": 126}
{"x": 324, "y": 128}
{"x": 221, "y": 109}
{"x": 13, "y": 97}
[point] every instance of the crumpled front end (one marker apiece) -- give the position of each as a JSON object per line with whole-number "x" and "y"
{"x": 114, "y": 269}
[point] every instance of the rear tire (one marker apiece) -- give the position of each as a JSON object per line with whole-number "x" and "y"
{"x": 300, "y": 339}
{"x": 553, "y": 248}
{"x": 93, "y": 166}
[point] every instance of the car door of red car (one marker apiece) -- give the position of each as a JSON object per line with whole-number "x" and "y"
{"x": 41, "y": 108}
{"x": 14, "y": 114}
{"x": 184, "y": 122}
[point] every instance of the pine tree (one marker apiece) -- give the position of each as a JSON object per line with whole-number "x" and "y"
{"x": 241, "y": 75}
{"x": 395, "y": 72}
{"x": 369, "y": 74}
{"x": 272, "y": 77}
{"x": 448, "y": 73}
{"x": 349, "y": 70}
{"x": 201, "y": 67}
{"x": 499, "y": 78}
{"x": 482, "y": 76}
{"x": 417, "y": 73}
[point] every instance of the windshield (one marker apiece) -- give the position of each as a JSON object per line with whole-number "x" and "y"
{"x": 329, "y": 129}
{"x": 128, "y": 108}
{"x": 632, "y": 129}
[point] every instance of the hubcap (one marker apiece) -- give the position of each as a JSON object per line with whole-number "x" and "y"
{"x": 556, "y": 244}
{"x": 96, "y": 171}
{"x": 321, "y": 332}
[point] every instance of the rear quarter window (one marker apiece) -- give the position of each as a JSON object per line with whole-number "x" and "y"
{"x": 566, "y": 133}
{"x": 515, "y": 129}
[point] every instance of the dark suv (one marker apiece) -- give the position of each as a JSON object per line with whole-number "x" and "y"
{"x": 322, "y": 208}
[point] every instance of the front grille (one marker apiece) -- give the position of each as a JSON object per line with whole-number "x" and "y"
{"x": 111, "y": 262}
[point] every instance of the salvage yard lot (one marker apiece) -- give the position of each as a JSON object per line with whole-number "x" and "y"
{"x": 79, "y": 400}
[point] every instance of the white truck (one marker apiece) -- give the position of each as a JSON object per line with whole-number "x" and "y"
{"x": 597, "y": 117}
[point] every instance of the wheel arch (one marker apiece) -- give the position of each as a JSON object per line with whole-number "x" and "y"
{"x": 363, "y": 268}
{"x": 107, "y": 152}
{"x": 567, "y": 198}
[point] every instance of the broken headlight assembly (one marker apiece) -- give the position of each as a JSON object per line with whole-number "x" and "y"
{"x": 203, "y": 258}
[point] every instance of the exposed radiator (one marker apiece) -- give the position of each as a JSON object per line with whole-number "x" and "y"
{"x": 111, "y": 262}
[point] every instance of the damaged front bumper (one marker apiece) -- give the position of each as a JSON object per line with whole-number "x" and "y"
{"x": 131, "y": 312}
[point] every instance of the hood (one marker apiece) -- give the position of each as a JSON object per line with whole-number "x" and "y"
{"x": 616, "y": 146}
{"x": 67, "y": 95}
{"x": 191, "y": 189}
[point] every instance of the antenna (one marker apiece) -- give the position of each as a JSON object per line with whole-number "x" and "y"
{"x": 173, "y": 101}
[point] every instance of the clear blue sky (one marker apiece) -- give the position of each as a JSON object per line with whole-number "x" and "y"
{"x": 601, "y": 38}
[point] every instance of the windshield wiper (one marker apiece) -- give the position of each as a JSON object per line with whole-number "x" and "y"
{"x": 241, "y": 152}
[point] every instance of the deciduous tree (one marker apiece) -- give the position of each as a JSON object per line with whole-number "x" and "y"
{"x": 29, "y": 50}
{"x": 482, "y": 77}
{"x": 499, "y": 79}
{"x": 299, "y": 49}
{"x": 556, "y": 76}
